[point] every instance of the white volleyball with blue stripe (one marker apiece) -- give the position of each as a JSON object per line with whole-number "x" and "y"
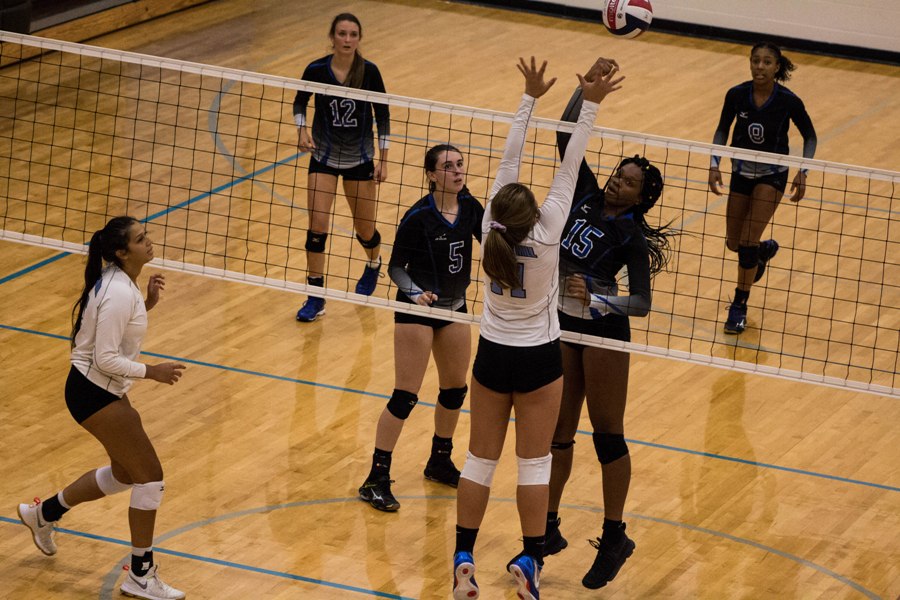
{"x": 627, "y": 18}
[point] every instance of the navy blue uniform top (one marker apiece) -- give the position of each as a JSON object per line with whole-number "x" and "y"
{"x": 432, "y": 254}
{"x": 763, "y": 128}
{"x": 342, "y": 127}
{"x": 600, "y": 246}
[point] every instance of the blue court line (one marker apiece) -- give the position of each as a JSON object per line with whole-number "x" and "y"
{"x": 338, "y": 388}
{"x": 212, "y": 560}
{"x": 110, "y": 579}
{"x": 33, "y": 267}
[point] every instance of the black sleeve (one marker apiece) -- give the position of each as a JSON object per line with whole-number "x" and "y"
{"x": 404, "y": 242}
{"x": 587, "y": 182}
{"x": 804, "y": 125}
{"x": 638, "y": 264}
{"x": 477, "y": 219}
{"x": 382, "y": 112}
{"x": 301, "y": 100}
{"x": 720, "y": 137}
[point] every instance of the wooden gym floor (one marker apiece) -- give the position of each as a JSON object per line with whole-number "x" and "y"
{"x": 744, "y": 486}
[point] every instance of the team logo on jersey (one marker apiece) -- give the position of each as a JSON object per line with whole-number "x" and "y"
{"x": 743, "y": 114}
{"x": 756, "y": 132}
{"x": 441, "y": 238}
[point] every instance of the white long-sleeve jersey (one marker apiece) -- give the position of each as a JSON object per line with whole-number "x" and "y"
{"x": 112, "y": 329}
{"x": 527, "y": 316}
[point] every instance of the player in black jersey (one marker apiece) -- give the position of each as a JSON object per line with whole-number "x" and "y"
{"x": 606, "y": 230}
{"x": 342, "y": 145}
{"x": 431, "y": 264}
{"x": 761, "y": 109}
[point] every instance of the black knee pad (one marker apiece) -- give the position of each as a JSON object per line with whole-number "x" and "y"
{"x": 562, "y": 445}
{"x": 452, "y": 398}
{"x": 315, "y": 242}
{"x": 610, "y": 447}
{"x": 369, "y": 244}
{"x": 402, "y": 403}
{"x": 748, "y": 257}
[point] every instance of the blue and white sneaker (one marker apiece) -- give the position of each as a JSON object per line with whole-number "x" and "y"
{"x": 369, "y": 279}
{"x": 527, "y": 573}
{"x": 311, "y": 310}
{"x": 464, "y": 586}
{"x": 737, "y": 319}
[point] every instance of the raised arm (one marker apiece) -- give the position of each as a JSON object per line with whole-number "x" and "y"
{"x": 535, "y": 87}
{"x": 555, "y": 209}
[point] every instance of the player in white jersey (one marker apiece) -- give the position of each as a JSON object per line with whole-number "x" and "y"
{"x": 518, "y": 363}
{"x": 110, "y": 323}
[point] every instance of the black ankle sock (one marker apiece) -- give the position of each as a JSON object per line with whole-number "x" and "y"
{"x": 551, "y": 519}
{"x": 613, "y": 530}
{"x": 534, "y": 547}
{"x": 141, "y": 564}
{"x": 441, "y": 447}
{"x": 381, "y": 464}
{"x": 316, "y": 281}
{"x": 52, "y": 510}
{"x": 741, "y": 296}
{"x": 465, "y": 539}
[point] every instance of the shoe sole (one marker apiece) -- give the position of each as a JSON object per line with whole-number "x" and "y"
{"x": 137, "y": 594}
{"x": 33, "y": 534}
{"x": 734, "y": 331}
{"x": 372, "y": 504}
{"x": 465, "y": 589}
{"x": 441, "y": 481}
{"x": 628, "y": 554}
{"x": 318, "y": 314}
{"x": 524, "y": 592}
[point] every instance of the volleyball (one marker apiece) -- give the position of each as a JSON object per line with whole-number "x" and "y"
{"x": 627, "y": 18}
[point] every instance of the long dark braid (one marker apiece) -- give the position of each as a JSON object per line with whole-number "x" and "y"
{"x": 658, "y": 238}
{"x": 103, "y": 246}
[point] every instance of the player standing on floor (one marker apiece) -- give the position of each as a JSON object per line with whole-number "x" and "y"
{"x": 110, "y": 323}
{"x": 763, "y": 108}
{"x": 342, "y": 145}
{"x": 518, "y": 363}
{"x": 431, "y": 264}
{"x": 606, "y": 231}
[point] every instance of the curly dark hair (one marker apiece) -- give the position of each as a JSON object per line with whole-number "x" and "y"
{"x": 658, "y": 238}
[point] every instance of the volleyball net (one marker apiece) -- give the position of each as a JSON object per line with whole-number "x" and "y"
{"x": 208, "y": 157}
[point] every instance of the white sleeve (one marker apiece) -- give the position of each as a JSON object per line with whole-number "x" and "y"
{"x": 508, "y": 171}
{"x": 555, "y": 209}
{"x": 113, "y": 314}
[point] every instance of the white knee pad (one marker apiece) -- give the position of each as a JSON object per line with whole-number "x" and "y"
{"x": 534, "y": 471}
{"x": 108, "y": 483}
{"x": 479, "y": 470}
{"x": 147, "y": 496}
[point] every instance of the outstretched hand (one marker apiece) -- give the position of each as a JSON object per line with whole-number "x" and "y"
{"x": 535, "y": 86}
{"x": 602, "y": 66}
{"x": 597, "y": 90}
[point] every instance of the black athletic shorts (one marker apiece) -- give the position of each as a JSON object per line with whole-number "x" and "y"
{"x": 744, "y": 185}
{"x": 615, "y": 327}
{"x": 363, "y": 172}
{"x": 522, "y": 369}
{"x": 84, "y": 397}
{"x": 411, "y": 319}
